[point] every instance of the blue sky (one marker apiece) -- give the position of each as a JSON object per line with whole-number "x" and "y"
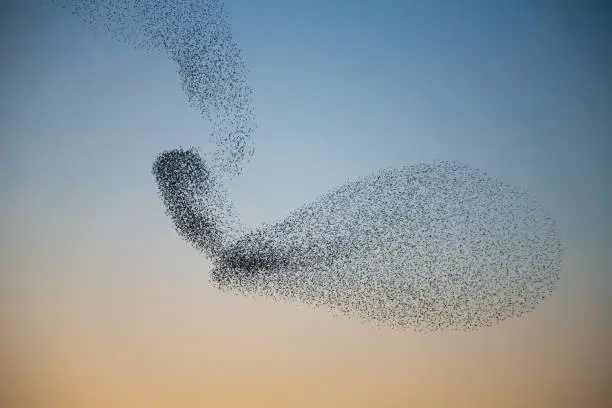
{"x": 342, "y": 89}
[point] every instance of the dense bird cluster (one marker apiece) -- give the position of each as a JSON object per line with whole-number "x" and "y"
{"x": 432, "y": 246}
{"x": 196, "y": 35}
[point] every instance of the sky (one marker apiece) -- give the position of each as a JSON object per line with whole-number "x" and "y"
{"x": 102, "y": 304}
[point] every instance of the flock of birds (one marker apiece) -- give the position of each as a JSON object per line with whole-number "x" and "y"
{"x": 431, "y": 246}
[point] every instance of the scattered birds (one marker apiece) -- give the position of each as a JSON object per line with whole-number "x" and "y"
{"x": 196, "y": 36}
{"x": 432, "y": 246}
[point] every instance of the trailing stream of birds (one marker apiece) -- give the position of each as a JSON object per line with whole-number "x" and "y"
{"x": 431, "y": 246}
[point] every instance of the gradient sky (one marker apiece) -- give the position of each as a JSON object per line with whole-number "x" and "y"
{"x": 101, "y": 304}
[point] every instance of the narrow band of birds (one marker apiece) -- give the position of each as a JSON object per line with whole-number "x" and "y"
{"x": 196, "y": 36}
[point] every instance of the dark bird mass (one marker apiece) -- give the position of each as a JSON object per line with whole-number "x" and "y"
{"x": 432, "y": 246}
